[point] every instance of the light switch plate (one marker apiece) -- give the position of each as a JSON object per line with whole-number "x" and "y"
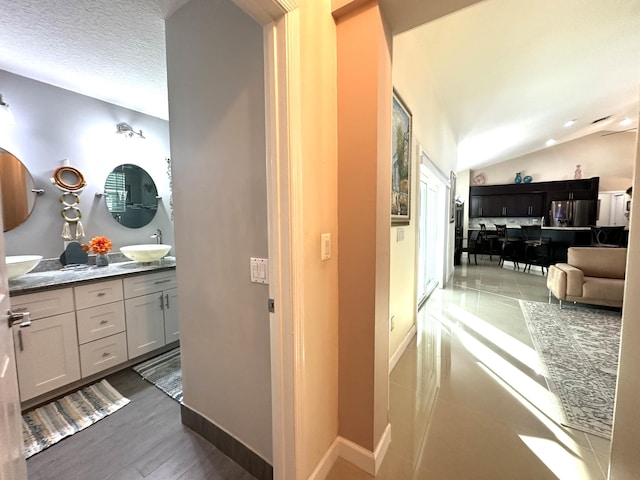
{"x": 259, "y": 270}
{"x": 325, "y": 246}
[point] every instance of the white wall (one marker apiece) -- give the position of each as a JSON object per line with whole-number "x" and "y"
{"x": 53, "y": 124}
{"x": 318, "y": 389}
{"x": 411, "y": 77}
{"x": 609, "y": 157}
{"x": 625, "y": 461}
{"x": 217, "y": 108}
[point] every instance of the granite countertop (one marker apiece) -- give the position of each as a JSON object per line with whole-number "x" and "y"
{"x": 543, "y": 228}
{"x": 47, "y": 280}
{"x": 568, "y": 228}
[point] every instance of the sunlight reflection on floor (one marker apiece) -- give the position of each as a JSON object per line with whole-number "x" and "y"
{"x": 468, "y": 398}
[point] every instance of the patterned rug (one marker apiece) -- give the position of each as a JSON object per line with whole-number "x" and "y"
{"x": 164, "y": 372}
{"x": 579, "y": 347}
{"x": 50, "y": 423}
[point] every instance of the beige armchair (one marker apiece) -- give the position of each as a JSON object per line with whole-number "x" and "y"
{"x": 592, "y": 275}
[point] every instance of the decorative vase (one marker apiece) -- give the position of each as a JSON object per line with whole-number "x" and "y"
{"x": 518, "y": 178}
{"x": 578, "y": 174}
{"x": 528, "y": 179}
{"x": 102, "y": 260}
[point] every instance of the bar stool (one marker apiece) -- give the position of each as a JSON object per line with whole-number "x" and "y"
{"x": 488, "y": 237}
{"x": 537, "y": 251}
{"x": 507, "y": 246}
{"x": 606, "y": 236}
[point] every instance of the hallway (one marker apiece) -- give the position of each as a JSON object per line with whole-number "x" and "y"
{"x": 493, "y": 417}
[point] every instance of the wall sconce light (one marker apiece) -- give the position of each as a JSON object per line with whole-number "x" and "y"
{"x": 125, "y": 129}
{"x": 6, "y": 117}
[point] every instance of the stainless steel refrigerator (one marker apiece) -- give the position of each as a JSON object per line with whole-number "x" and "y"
{"x": 573, "y": 213}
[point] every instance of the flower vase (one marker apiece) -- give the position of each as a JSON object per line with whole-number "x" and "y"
{"x": 518, "y": 178}
{"x": 578, "y": 173}
{"x": 102, "y": 260}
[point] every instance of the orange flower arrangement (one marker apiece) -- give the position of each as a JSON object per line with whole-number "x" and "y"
{"x": 100, "y": 245}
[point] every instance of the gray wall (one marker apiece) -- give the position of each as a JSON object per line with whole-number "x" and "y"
{"x": 53, "y": 124}
{"x": 216, "y": 103}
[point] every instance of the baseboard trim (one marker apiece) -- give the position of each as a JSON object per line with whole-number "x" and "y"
{"x": 395, "y": 358}
{"x": 227, "y": 444}
{"x": 361, "y": 457}
{"x": 324, "y": 466}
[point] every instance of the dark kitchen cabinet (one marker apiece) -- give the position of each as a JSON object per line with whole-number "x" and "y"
{"x": 530, "y": 205}
{"x": 527, "y": 200}
{"x": 582, "y": 189}
{"x": 524, "y": 205}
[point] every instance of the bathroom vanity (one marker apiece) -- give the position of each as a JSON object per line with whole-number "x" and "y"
{"x": 87, "y": 323}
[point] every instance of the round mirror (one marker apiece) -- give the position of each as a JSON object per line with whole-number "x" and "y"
{"x": 16, "y": 184}
{"x": 131, "y": 194}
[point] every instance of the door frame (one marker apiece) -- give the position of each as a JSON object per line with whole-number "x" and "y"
{"x": 434, "y": 172}
{"x": 280, "y": 20}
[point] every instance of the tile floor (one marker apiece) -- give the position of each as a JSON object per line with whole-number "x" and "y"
{"x": 465, "y": 399}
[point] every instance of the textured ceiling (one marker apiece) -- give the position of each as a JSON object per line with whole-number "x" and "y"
{"x": 113, "y": 50}
{"x": 507, "y": 73}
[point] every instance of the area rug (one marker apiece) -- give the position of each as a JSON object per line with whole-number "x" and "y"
{"x": 50, "y": 423}
{"x": 165, "y": 372}
{"x": 579, "y": 347}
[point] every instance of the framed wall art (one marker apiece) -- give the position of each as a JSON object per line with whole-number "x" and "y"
{"x": 400, "y": 162}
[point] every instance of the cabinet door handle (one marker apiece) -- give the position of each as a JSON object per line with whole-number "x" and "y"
{"x": 161, "y": 302}
{"x": 158, "y": 282}
{"x": 101, "y": 294}
{"x": 20, "y": 344}
{"x": 106, "y": 354}
{"x": 102, "y": 322}
{"x": 166, "y": 298}
{"x": 23, "y": 318}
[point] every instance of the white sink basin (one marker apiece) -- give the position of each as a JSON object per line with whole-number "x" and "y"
{"x": 20, "y": 264}
{"x": 145, "y": 253}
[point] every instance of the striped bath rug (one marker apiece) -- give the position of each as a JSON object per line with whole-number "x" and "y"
{"x": 165, "y": 372}
{"x": 50, "y": 423}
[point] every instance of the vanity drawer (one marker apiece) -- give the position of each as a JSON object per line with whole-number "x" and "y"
{"x": 150, "y": 283}
{"x": 44, "y": 304}
{"x": 100, "y": 293}
{"x": 101, "y": 354}
{"x": 101, "y": 321}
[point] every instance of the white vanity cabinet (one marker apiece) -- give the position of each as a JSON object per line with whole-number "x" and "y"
{"x": 79, "y": 331}
{"x": 101, "y": 326}
{"x": 47, "y": 351}
{"x": 151, "y": 311}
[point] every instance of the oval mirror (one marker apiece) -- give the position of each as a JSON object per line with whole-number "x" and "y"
{"x": 131, "y": 195}
{"x": 16, "y": 184}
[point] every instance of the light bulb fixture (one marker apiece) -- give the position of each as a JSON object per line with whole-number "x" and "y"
{"x": 6, "y": 117}
{"x": 125, "y": 129}
{"x": 568, "y": 123}
{"x": 550, "y": 142}
{"x": 625, "y": 122}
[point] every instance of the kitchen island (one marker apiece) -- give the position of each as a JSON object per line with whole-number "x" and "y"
{"x": 558, "y": 239}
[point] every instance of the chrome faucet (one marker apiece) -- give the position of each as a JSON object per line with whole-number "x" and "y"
{"x": 157, "y": 236}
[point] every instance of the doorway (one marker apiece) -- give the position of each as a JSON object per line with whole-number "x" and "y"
{"x": 432, "y": 226}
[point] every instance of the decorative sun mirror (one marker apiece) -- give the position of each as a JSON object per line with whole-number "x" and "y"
{"x": 18, "y": 192}
{"x": 131, "y": 195}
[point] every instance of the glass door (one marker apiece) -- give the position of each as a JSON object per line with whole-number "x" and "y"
{"x": 430, "y": 250}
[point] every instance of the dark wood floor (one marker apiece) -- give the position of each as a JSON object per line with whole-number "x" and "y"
{"x": 143, "y": 440}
